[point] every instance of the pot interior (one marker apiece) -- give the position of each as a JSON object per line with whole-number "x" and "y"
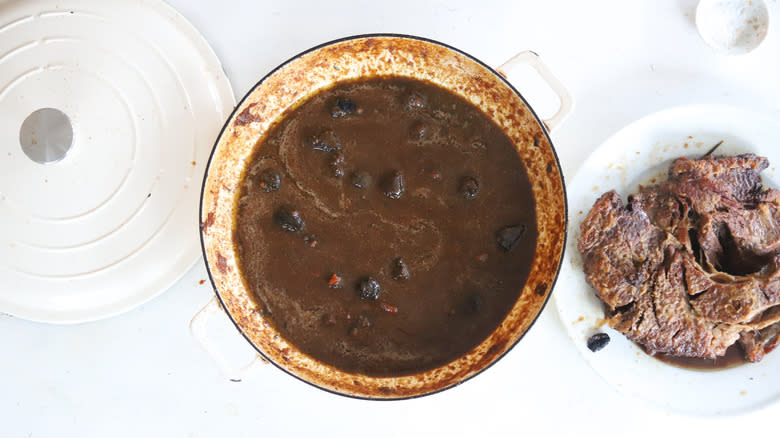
{"x": 377, "y": 56}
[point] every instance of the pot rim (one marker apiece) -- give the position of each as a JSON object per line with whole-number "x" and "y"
{"x": 506, "y": 82}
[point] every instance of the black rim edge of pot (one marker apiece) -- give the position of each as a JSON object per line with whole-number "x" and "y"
{"x": 383, "y": 35}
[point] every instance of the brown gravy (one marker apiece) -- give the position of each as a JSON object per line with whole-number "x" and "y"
{"x": 735, "y": 356}
{"x": 360, "y": 176}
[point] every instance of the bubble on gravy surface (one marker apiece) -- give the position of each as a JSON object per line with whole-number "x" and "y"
{"x": 371, "y": 172}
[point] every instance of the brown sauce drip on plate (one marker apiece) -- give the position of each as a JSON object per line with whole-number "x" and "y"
{"x": 735, "y": 356}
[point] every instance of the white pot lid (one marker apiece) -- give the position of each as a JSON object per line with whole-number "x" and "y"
{"x": 113, "y": 222}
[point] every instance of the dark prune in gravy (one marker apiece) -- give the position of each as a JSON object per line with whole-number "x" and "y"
{"x": 417, "y": 130}
{"x": 509, "y": 237}
{"x": 469, "y": 187}
{"x": 474, "y": 303}
{"x": 325, "y": 140}
{"x": 399, "y": 270}
{"x": 361, "y": 179}
{"x": 369, "y": 288}
{"x": 289, "y": 219}
{"x": 414, "y": 100}
{"x": 343, "y": 107}
{"x": 336, "y": 164}
{"x": 393, "y": 185}
{"x": 400, "y": 197}
{"x": 269, "y": 180}
{"x": 359, "y": 325}
{"x": 598, "y": 341}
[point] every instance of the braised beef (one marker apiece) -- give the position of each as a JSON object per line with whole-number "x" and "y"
{"x": 690, "y": 266}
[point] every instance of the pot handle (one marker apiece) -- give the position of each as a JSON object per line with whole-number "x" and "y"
{"x": 532, "y": 60}
{"x": 198, "y": 329}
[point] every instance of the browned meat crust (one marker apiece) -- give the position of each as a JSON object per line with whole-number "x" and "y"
{"x": 690, "y": 266}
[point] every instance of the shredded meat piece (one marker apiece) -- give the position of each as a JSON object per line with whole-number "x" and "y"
{"x": 691, "y": 265}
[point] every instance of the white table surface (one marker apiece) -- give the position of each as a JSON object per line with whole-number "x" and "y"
{"x": 142, "y": 374}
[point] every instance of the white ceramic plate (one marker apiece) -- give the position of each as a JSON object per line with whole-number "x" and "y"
{"x": 636, "y": 155}
{"x": 113, "y": 223}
